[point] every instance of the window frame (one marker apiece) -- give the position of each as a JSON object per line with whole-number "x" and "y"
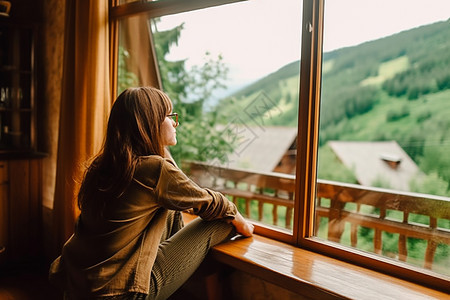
{"x": 307, "y": 141}
{"x": 308, "y": 131}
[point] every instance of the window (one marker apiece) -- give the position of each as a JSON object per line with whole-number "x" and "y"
{"x": 384, "y": 134}
{"x": 234, "y": 84}
{"x": 337, "y": 216}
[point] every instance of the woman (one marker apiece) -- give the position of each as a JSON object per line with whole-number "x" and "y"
{"x": 129, "y": 241}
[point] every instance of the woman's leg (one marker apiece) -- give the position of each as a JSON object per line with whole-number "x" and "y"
{"x": 179, "y": 256}
{"x": 174, "y": 223}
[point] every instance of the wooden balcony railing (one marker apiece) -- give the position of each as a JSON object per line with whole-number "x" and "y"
{"x": 379, "y": 210}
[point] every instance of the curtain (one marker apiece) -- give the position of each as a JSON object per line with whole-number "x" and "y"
{"x": 142, "y": 57}
{"x": 85, "y": 105}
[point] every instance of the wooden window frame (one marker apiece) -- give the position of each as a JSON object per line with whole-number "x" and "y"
{"x": 307, "y": 141}
{"x": 308, "y": 131}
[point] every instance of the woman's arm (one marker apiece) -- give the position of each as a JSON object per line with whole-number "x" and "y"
{"x": 174, "y": 190}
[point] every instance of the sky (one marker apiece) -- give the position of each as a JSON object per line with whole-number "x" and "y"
{"x": 257, "y": 37}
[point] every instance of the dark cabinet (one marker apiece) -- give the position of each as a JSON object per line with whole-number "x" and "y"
{"x": 20, "y": 163}
{"x": 17, "y": 88}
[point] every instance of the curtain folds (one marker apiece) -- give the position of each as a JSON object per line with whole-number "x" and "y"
{"x": 142, "y": 56}
{"x": 85, "y": 105}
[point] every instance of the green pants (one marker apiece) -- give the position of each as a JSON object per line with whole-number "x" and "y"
{"x": 181, "y": 252}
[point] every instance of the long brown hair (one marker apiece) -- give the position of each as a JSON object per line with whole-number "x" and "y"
{"x": 133, "y": 131}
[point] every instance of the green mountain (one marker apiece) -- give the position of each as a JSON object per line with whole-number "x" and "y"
{"x": 394, "y": 88}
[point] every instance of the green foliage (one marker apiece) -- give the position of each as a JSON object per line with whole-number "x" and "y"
{"x": 198, "y": 137}
{"x": 423, "y": 116}
{"x": 125, "y": 78}
{"x": 202, "y": 81}
{"x": 173, "y": 73}
{"x": 346, "y": 102}
{"x": 330, "y": 168}
{"x": 413, "y": 143}
{"x": 441, "y": 262}
{"x": 381, "y": 182}
{"x": 437, "y": 160}
{"x": 430, "y": 74}
{"x": 432, "y": 184}
{"x": 394, "y": 115}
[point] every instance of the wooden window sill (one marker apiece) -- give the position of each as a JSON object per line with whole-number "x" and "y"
{"x": 314, "y": 275}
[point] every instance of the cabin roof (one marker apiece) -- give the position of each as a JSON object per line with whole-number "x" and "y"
{"x": 260, "y": 148}
{"x": 375, "y": 161}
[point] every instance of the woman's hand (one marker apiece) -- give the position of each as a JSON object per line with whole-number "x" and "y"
{"x": 242, "y": 226}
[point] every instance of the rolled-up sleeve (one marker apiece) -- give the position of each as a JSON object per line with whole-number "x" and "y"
{"x": 174, "y": 190}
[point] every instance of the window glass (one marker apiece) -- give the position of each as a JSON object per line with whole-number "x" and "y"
{"x": 384, "y": 139}
{"x": 232, "y": 72}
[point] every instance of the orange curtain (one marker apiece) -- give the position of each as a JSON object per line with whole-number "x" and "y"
{"x": 85, "y": 105}
{"x": 136, "y": 38}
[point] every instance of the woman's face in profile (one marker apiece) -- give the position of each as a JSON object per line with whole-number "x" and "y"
{"x": 168, "y": 132}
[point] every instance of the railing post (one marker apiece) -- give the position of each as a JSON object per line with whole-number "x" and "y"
{"x": 402, "y": 248}
{"x": 429, "y": 254}
{"x": 431, "y": 247}
{"x": 289, "y": 210}
{"x": 377, "y": 239}
{"x": 260, "y": 204}
{"x": 335, "y": 224}
{"x": 354, "y": 235}
{"x": 275, "y": 214}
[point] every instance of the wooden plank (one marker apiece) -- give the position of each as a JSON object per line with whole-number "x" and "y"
{"x": 155, "y": 9}
{"x": 267, "y": 180}
{"x": 435, "y": 206}
{"x": 256, "y": 196}
{"x": 19, "y": 208}
{"x": 4, "y": 218}
{"x": 25, "y": 198}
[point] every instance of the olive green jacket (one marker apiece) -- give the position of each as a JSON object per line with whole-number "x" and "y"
{"x": 113, "y": 253}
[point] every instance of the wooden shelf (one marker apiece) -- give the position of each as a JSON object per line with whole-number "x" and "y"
{"x": 18, "y": 87}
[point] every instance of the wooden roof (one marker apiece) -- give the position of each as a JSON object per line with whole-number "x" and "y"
{"x": 260, "y": 148}
{"x": 375, "y": 161}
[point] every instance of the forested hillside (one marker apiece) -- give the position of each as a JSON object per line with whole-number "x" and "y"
{"x": 394, "y": 88}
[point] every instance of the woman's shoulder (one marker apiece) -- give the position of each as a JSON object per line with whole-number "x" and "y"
{"x": 154, "y": 161}
{"x": 150, "y": 159}
{"x": 151, "y": 167}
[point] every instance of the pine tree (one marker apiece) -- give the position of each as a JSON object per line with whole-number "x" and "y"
{"x": 173, "y": 73}
{"x": 198, "y": 137}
